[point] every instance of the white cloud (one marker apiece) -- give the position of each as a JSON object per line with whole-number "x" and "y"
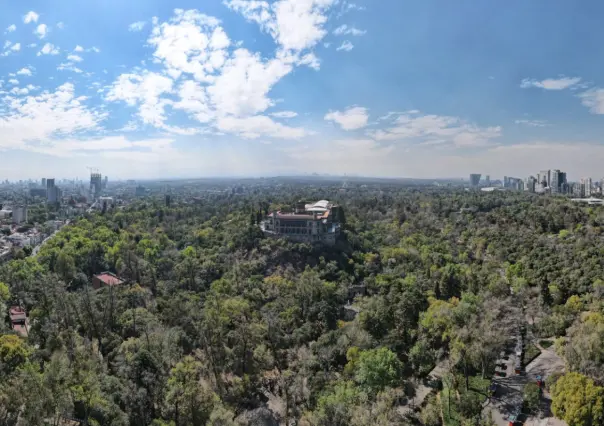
{"x": 223, "y": 87}
{"x": 594, "y": 100}
{"x": 143, "y": 90}
{"x": 295, "y": 25}
{"x": 19, "y": 91}
{"x": 310, "y": 60}
{"x": 257, "y": 126}
{"x": 136, "y": 26}
{"x": 30, "y": 17}
{"x": 25, "y": 71}
{"x": 284, "y": 114}
{"x": 11, "y": 28}
{"x": 41, "y": 31}
{"x": 110, "y": 144}
{"x": 346, "y": 30}
{"x": 347, "y": 46}
{"x": 49, "y": 49}
{"x": 13, "y": 81}
{"x": 353, "y": 6}
{"x": 436, "y": 129}
{"x": 60, "y": 25}
{"x": 94, "y": 49}
{"x": 33, "y": 121}
{"x": 32, "y": 45}
{"x": 69, "y": 66}
{"x": 190, "y": 43}
{"x": 10, "y": 48}
{"x": 78, "y": 48}
{"x": 551, "y": 83}
{"x": 242, "y": 87}
{"x": 351, "y": 119}
{"x": 74, "y": 58}
{"x": 532, "y": 123}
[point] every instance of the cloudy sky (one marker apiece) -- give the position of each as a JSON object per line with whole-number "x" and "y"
{"x": 413, "y": 88}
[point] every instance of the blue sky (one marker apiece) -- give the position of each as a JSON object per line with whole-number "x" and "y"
{"x": 146, "y": 89}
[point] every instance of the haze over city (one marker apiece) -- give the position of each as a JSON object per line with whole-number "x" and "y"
{"x": 220, "y": 88}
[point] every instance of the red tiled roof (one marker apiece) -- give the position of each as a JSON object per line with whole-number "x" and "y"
{"x": 109, "y": 279}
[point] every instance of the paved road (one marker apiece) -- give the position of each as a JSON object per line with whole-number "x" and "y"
{"x": 37, "y": 248}
{"x": 509, "y": 394}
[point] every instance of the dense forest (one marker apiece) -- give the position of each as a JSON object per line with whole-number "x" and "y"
{"x": 218, "y": 325}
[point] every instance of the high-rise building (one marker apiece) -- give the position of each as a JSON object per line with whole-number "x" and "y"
{"x": 140, "y": 191}
{"x": 586, "y": 184}
{"x": 578, "y": 189}
{"x": 544, "y": 179}
{"x": 51, "y": 193}
{"x": 513, "y": 183}
{"x": 487, "y": 180}
{"x": 531, "y": 184}
{"x": 105, "y": 182}
{"x": 554, "y": 186}
{"x": 563, "y": 183}
{"x": 96, "y": 184}
{"x": 475, "y": 179}
{"x": 43, "y": 182}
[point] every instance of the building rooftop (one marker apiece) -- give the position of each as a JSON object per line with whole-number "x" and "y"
{"x": 17, "y": 313}
{"x": 302, "y": 216}
{"x": 109, "y": 279}
{"x": 281, "y": 215}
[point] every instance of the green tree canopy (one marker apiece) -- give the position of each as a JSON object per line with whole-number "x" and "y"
{"x": 577, "y": 400}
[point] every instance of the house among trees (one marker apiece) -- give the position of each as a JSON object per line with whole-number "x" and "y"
{"x": 308, "y": 223}
{"x": 18, "y": 320}
{"x": 106, "y": 279}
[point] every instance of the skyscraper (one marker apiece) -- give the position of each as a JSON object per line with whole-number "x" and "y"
{"x": 475, "y": 179}
{"x": 554, "y": 186}
{"x": 586, "y": 186}
{"x": 487, "y": 180}
{"x": 51, "y": 191}
{"x": 95, "y": 185}
{"x": 544, "y": 178}
{"x": 531, "y": 183}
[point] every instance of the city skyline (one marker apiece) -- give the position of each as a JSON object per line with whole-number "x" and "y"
{"x": 234, "y": 88}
